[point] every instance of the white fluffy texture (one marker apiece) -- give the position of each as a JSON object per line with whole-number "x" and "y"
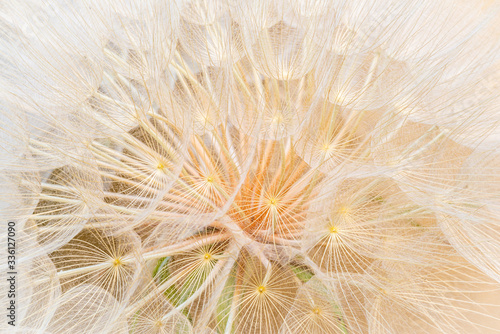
{"x": 58, "y": 55}
{"x": 476, "y": 233}
{"x": 338, "y": 137}
{"x": 18, "y": 196}
{"x": 143, "y": 35}
{"x": 87, "y": 309}
{"x": 13, "y": 140}
{"x": 45, "y": 295}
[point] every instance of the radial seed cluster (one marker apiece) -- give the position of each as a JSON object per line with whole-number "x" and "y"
{"x": 251, "y": 166}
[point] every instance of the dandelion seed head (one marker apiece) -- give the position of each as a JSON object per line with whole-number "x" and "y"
{"x": 252, "y": 166}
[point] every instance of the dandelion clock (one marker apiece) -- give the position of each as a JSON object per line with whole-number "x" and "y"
{"x": 250, "y": 166}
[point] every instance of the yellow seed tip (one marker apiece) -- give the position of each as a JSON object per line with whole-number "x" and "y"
{"x": 343, "y": 210}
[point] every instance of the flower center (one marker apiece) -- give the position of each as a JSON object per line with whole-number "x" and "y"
{"x": 117, "y": 262}
{"x": 343, "y": 210}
